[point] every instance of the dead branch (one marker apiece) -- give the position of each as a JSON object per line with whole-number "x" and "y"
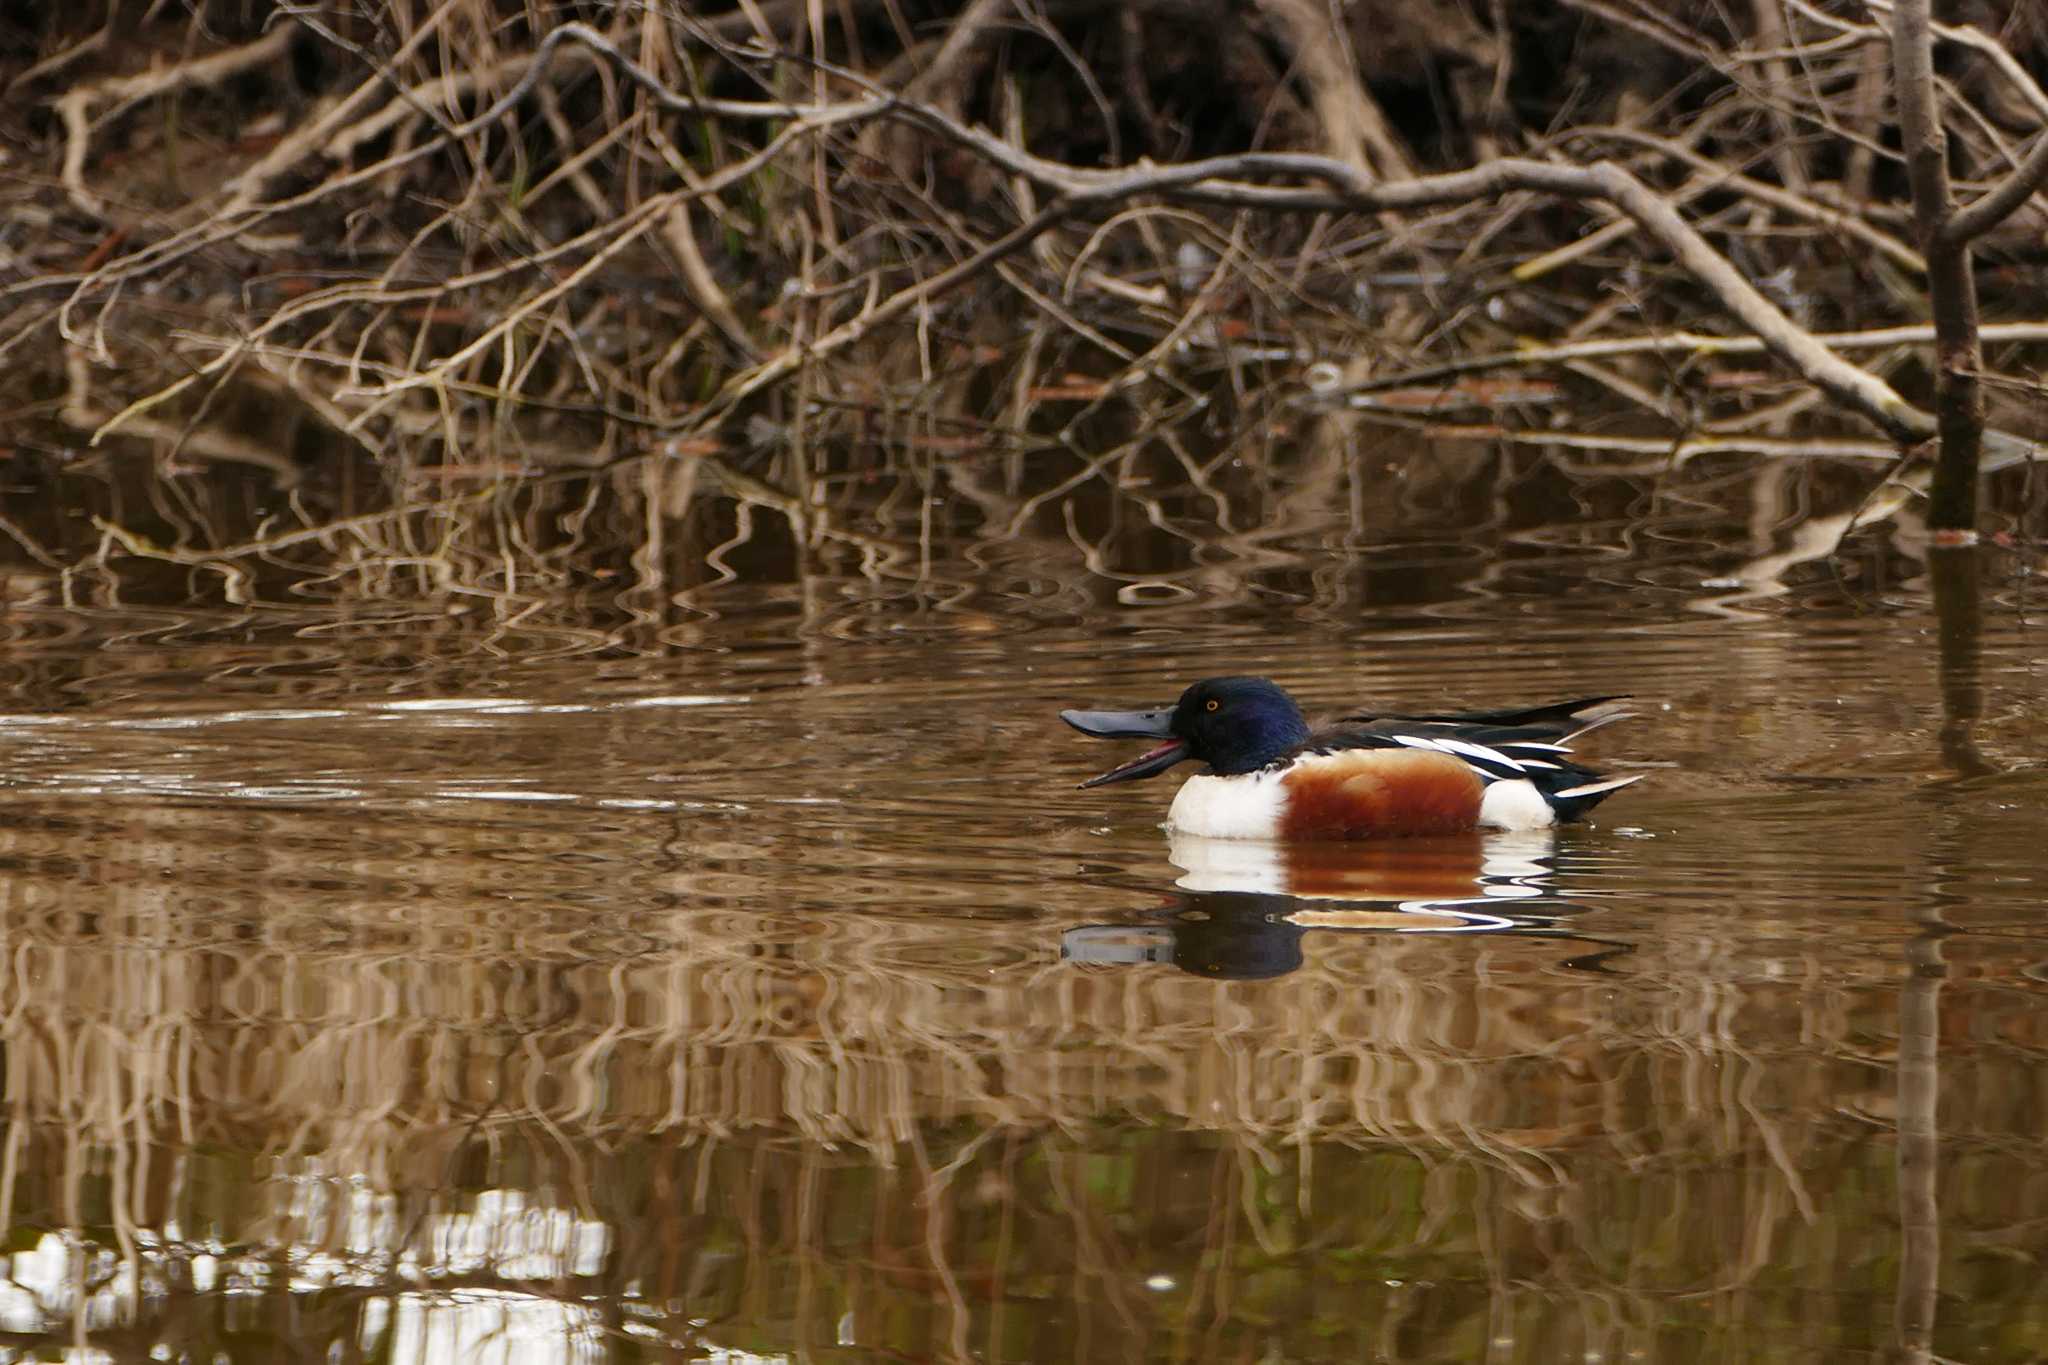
{"x": 1800, "y": 206}
{"x": 1951, "y": 282}
{"x": 1353, "y": 125}
{"x": 1224, "y": 180}
{"x": 1664, "y": 343}
{"x": 75, "y": 106}
{"x": 484, "y": 312}
{"x": 255, "y": 181}
{"x": 1982, "y": 215}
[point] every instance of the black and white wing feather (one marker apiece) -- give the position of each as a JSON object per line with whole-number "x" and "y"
{"x": 1532, "y": 746}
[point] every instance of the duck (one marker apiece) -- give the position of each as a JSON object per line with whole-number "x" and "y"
{"x": 1268, "y": 775}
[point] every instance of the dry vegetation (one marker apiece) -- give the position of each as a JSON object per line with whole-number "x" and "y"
{"x": 455, "y": 274}
{"x": 518, "y": 305}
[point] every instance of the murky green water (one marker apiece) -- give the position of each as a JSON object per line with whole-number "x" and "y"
{"x": 745, "y": 980}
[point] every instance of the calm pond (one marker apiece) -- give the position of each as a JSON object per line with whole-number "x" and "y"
{"x": 741, "y": 977}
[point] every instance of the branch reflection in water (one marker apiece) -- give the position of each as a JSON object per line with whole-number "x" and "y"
{"x": 679, "y": 968}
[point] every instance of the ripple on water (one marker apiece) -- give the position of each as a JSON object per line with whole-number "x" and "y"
{"x": 758, "y": 997}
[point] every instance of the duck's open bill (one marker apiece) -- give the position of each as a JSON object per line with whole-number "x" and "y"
{"x": 1131, "y": 725}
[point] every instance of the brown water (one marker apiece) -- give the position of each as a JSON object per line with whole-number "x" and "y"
{"x": 752, "y": 984}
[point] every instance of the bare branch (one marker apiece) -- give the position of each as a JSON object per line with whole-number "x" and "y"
{"x": 1959, "y": 402}
{"x": 75, "y": 106}
{"x": 1969, "y": 223}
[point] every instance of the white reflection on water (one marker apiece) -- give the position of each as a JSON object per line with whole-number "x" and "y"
{"x": 345, "y": 1233}
{"x": 508, "y": 1236}
{"x": 482, "y": 1327}
{"x": 348, "y": 1233}
{"x": 63, "y": 1279}
{"x": 1497, "y": 865}
{"x": 41, "y": 1281}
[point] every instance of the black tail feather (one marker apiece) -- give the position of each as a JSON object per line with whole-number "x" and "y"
{"x": 1574, "y": 799}
{"x": 1564, "y": 717}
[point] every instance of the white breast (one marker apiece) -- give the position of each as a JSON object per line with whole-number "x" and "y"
{"x": 1246, "y": 806}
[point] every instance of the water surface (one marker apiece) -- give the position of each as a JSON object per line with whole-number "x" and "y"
{"x": 745, "y": 980}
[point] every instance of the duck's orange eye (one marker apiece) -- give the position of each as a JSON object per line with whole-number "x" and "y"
{"x": 1214, "y": 704}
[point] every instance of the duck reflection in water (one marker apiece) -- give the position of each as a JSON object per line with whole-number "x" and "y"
{"x": 1242, "y": 909}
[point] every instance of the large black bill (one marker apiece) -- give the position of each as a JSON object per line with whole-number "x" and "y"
{"x": 1131, "y": 725}
{"x": 1122, "y": 724}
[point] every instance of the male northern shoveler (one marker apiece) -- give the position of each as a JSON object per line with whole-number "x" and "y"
{"x": 1271, "y": 777}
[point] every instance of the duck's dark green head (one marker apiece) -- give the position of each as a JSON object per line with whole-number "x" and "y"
{"x": 1235, "y": 725}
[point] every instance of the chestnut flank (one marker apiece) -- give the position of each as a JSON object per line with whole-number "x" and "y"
{"x": 1371, "y": 793}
